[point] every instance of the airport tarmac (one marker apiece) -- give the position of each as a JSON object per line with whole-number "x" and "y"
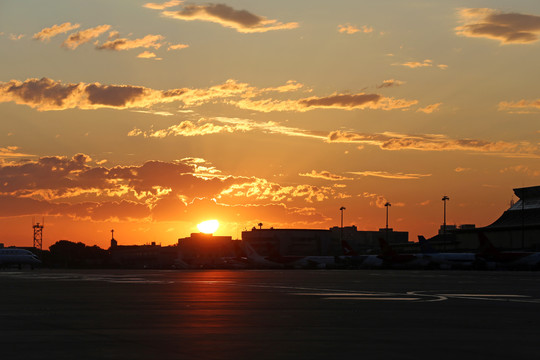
{"x": 268, "y": 314}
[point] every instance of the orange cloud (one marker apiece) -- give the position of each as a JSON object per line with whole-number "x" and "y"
{"x": 186, "y": 128}
{"x": 326, "y": 175}
{"x": 385, "y": 141}
{"x": 430, "y": 108}
{"x": 416, "y": 64}
{"x": 352, "y": 29}
{"x": 388, "y": 175}
{"x": 82, "y": 37}
{"x": 81, "y": 188}
{"x": 335, "y": 101}
{"x": 508, "y": 28}
{"x": 226, "y": 125}
{"x": 16, "y": 37}
{"x": 162, "y": 6}
{"x": 241, "y": 20}
{"x": 11, "y": 152}
{"x": 148, "y": 41}
{"x": 47, "y": 33}
{"x": 263, "y": 190}
{"x": 46, "y": 94}
{"x": 521, "y": 106}
{"x": 148, "y": 55}
{"x": 430, "y": 142}
{"x": 177, "y": 47}
{"x": 390, "y": 83}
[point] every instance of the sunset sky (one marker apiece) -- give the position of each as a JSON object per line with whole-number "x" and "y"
{"x": 149, "y": 118}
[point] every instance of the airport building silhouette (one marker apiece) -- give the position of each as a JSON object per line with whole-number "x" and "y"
{"x": 517, "y": 228}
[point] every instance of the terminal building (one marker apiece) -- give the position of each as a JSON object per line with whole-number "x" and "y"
{"x": 517, "y": 228}
{"x": 202, "y": 250}
{"x": 319, "y": 242}
{"x": 151, "y": 255}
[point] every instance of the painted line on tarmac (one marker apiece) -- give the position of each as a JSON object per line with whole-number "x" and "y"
{"x": 495, "y": 297}
{"x": 117, "y": 279}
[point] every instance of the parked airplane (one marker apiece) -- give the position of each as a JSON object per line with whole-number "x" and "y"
{"x": 387, "y": 258}
{"x": 393, "y": 259}
{"x": 18, "y": 257}
{"x": 506, "y": 259}
{"x": 351, "y": 258}
{"x": 446, "y": 260}
{"x": 276, "y": 261}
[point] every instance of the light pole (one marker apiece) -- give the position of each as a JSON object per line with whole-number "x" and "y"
{"x": 522, "y": 198}
{"x": 444, "y": 199}
{"x": 387, "y": 205}
{"x": 341, "y": 230}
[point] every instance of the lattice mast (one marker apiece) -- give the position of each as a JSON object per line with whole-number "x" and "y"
{"x": 38, "y": 234}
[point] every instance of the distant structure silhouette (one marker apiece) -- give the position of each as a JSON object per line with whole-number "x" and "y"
{"x": 38, "y": 235}
{"x": 114, "y": 243}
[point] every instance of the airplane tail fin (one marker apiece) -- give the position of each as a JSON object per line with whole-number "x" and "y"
{"x": 425, "y": 245}
{"x": 486, "y": 248}
{"x": 347, "y": 249}
{"x": 386, "y": 249}
{"x": 250, "y": 252}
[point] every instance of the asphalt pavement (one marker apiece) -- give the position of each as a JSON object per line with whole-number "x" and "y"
{"x": 268, "y": 314}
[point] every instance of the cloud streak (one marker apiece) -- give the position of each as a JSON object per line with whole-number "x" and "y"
{"x": 358, "y": 101}
{"x": 390, "y": 83}
{"x": 389, "y": 175}
{"x": 47, "y": 34}
{"x": 177, "y": 47}
{"x": 432, "y": 142}
{"x": 149, "y": 41}
{"x": 47, "y": 94}
{"x": 385, "y": 141}
{"x": 224, "y": 125}
{"x": 77, "y": 39}
{"x": 325, "y": 175}
{"x": 242, "y": 21}
{"x": 521, "y": 106}
{"x": 12, "y": 152}
{"x": 162, "y": 6}
{"x": 430, "y": 108}
{"x": 352, "y": 29}
{"x": 148, "y": 55}
{"x": 508, "y": 28}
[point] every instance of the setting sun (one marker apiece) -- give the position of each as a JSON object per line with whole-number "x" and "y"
{"x": 208, "y": 226}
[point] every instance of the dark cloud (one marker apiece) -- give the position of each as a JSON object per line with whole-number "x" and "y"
{"x": 431, "y": 142}
{"x": 241, "y": 20}
{"x": 113, "y": 95}
{"x": 508, "y": 28}
{"x": 341, "y": 101}
{"x": 43, "y": 93}
{"x": 46, "y": 94}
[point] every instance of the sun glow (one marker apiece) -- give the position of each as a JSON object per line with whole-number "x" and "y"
{"x": 208, "y": 226}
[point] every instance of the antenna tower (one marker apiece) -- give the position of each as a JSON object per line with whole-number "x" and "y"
{"x": 38, "y": 235}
